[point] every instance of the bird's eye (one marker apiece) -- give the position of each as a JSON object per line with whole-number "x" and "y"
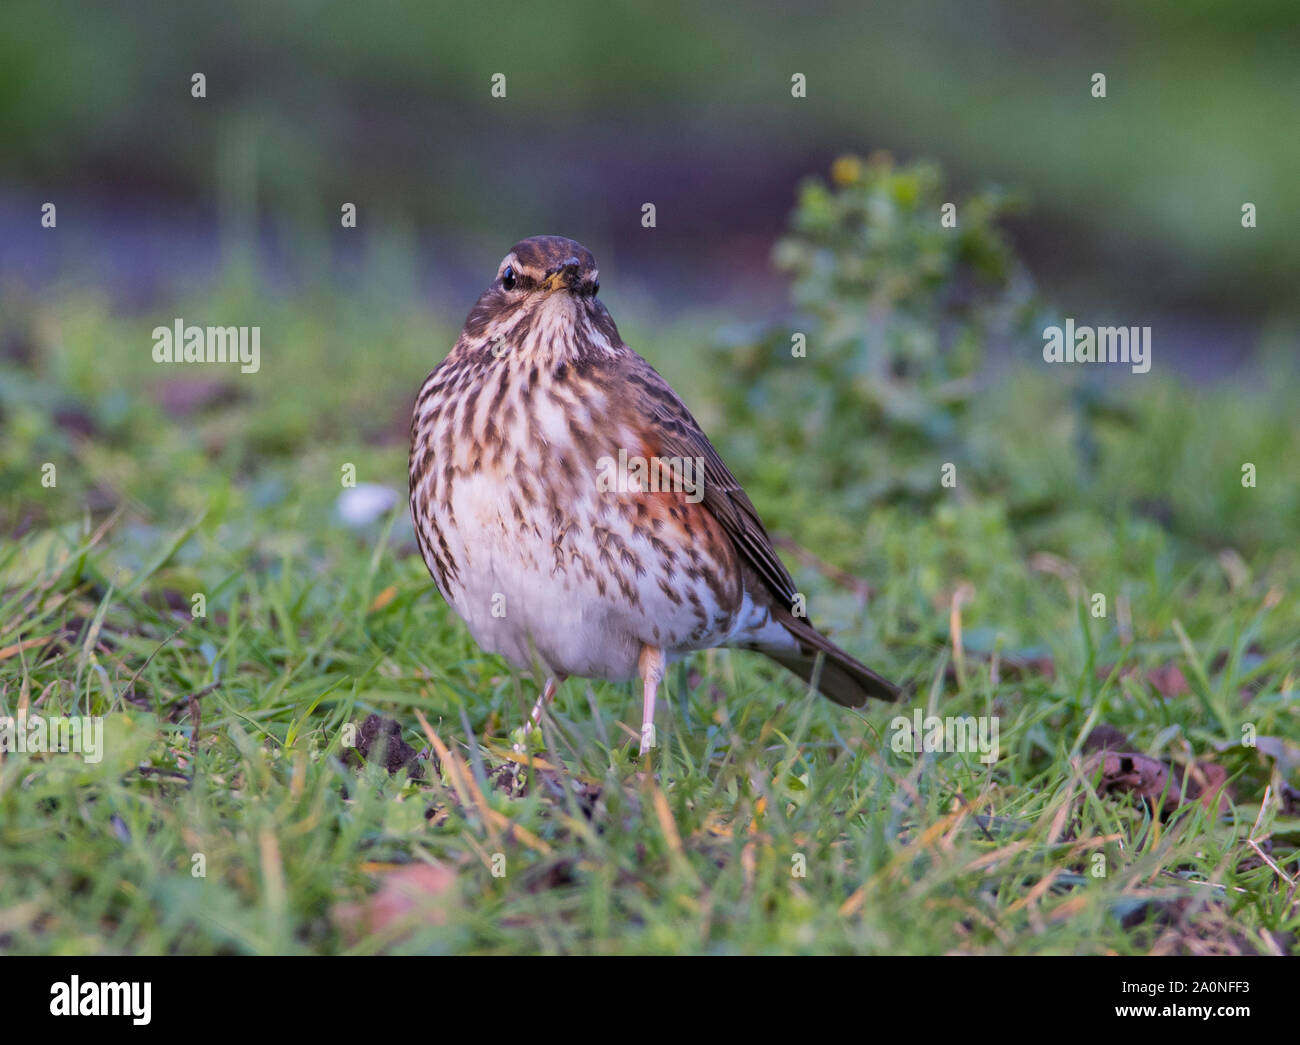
{"x": 508, "y": 278}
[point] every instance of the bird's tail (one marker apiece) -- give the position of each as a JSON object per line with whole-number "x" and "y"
{"x": 820, "y": 662}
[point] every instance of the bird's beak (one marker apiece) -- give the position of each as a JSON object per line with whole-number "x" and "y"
{"x": 563, "y": 275}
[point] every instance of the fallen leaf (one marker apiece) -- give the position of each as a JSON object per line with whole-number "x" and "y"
{"x": 1206, "y": 782}
{"x": 1129, "y": 772}
{"x": 1166, "y": 679}
{"x": 408, "y": 896}
{"x": 1106, "y": 738}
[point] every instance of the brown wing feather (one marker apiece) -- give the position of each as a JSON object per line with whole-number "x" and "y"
{"x": 679, "y": 435}
{"x": 676, "y": 433}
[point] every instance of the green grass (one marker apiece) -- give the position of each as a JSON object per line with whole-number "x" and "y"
{"x": 311, "y": 626}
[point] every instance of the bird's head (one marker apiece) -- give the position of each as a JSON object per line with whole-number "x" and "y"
{"x": 546, "y": 264}
{"x": 542, "y": 305}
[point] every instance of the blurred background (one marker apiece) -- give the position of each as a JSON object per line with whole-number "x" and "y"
{"x": 1133, "y": 203}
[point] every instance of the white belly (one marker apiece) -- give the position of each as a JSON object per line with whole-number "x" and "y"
{"x": 538, "y": 601}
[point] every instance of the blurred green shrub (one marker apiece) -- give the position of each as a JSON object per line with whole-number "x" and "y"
{"x": 913, "y": 345}
{"x": 893, "y": 312}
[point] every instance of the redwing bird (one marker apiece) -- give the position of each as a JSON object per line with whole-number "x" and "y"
{"x": 573, "y": 513}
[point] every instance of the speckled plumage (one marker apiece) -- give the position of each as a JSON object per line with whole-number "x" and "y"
{"x": 546, "y": 564}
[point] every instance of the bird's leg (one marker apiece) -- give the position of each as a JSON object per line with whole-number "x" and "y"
{"x": 547, "y": 695}
{"x": 651, "y": 668}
